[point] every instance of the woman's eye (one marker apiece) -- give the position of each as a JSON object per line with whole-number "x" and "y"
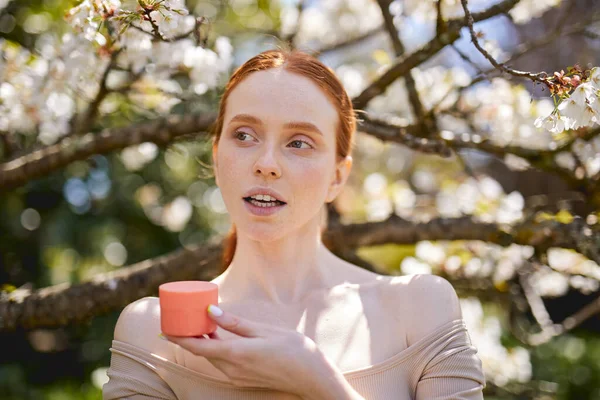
{"x": 242, "y": 136}
{"x": 299, "y": 143}
{"x": 239, "y": 134}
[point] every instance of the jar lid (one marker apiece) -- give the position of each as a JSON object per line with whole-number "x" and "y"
{"x": 185, "y": 294}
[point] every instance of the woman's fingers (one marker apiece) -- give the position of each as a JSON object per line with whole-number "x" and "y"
{"x": 240, "y": 326}
{"x": 211, "y": 335}
{"x": 212, "y": 347}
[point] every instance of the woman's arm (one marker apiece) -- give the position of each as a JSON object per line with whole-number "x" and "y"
{"x": 131, "y": 377}
{"x": 334, "y": 386}
{"x": 455, "y": 373}
{"x": 266, "y": 356}
{"x": 453, "y": 370}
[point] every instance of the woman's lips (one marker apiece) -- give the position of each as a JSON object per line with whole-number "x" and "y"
{"x": 263, "y": 211}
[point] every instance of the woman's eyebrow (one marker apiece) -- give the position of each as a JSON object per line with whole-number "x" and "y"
{"x": 293, "y": 125}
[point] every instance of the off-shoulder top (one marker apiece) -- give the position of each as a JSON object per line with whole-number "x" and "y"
{"x": 440, "y": 366}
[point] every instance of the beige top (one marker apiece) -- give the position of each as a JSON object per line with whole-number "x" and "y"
{"x": 437, "y": 361}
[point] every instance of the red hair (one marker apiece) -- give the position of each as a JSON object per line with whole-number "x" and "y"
{"x": 305, "y": 65}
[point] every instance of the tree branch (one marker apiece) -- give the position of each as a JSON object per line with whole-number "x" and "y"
{"x": 81, "y": 123}
{"x": 408, "y": 62}
{"x": 410, "y": 135}
{"x": 349, "y": 42}
{"x": 539, "y": 77}
{"x": 41, "y": 162}
{"x": 440, "y": 23}
{"x": 64, "y": 304}
{"x": 403, "y": 67}
{"x": 411, "y": 86}
{"x": 521, "y": 50}
{"x": 542, "y": 159}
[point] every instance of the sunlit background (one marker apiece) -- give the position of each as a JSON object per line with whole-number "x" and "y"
{"x": 108, "y": 212}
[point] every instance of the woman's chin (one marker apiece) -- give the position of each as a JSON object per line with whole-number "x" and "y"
{"x": 265, "y": 235}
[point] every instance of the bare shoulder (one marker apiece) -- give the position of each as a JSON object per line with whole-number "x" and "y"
{"x": 424, "y": 303}
{"x": 139, "y": 325}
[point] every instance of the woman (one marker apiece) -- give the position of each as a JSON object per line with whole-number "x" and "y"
{"x": 296, "y": 321}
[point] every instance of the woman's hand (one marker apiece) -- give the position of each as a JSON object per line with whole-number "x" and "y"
{"x": 264, "y": 356}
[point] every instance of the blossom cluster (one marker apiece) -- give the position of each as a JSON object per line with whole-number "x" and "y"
{"x": 42, "y": 90}
{"x": 152, "y": 36}
{"x": 87, "y": 17}
{"x": 39, "y": 90}
{"x": 577, "y": 109}
{"x": 501, "y": 365}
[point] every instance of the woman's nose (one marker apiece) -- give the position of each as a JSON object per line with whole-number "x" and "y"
{"x": 267, "y": 165}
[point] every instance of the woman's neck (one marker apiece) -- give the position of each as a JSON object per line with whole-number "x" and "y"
{"x": 280, "y": 273}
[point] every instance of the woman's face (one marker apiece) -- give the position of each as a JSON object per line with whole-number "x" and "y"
{"x": 259, "y": 147}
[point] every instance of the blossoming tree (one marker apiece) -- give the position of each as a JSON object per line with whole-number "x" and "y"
{"x": 134, "y": 82}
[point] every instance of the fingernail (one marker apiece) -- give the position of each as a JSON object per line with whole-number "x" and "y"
{"x": 161, "y": 336}
{"x": 214, "y": 310}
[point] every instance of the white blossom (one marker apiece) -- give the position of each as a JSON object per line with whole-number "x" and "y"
{"x": 553, "y": 123}
{"x": 87, "y": 16}
{"x": 525, "y": 10}
{"x": 565, "y": 159}
{"x": 577, "y": 108}
{"x": 580, "y": 109}
{"x": 549, "y": 283}
{"x": 506, "y": 114}
{"x": 595, "y": 77}
{"x": 171, "y": 23}
{"x": 500, "y": 364}
{"x": 41, "y": 93}
{"x": 177, "y": 214}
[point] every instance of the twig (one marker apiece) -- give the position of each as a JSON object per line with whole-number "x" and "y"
{"x": 539, "y": 77}
{"x": 408, "y": 62}
{"x": 157, "y": 34}
{"x": 568, "y": 324}
{"x": 81, "y": 123}
{"x": 591, "y": 35}
{"x": 536, "y": 304}
{"x": 468, "y": 60}
{"x": 440, "y": 25}
{"x": 525, "y": 48}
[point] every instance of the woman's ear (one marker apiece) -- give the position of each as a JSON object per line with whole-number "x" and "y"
{"x": 342, "y": 172}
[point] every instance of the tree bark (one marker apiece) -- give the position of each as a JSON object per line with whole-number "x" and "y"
{"x": 65, "y": 304}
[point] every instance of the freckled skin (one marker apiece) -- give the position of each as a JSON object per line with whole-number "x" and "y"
{"x": 280, "y": 258}
{"x": 304, "y": 175}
